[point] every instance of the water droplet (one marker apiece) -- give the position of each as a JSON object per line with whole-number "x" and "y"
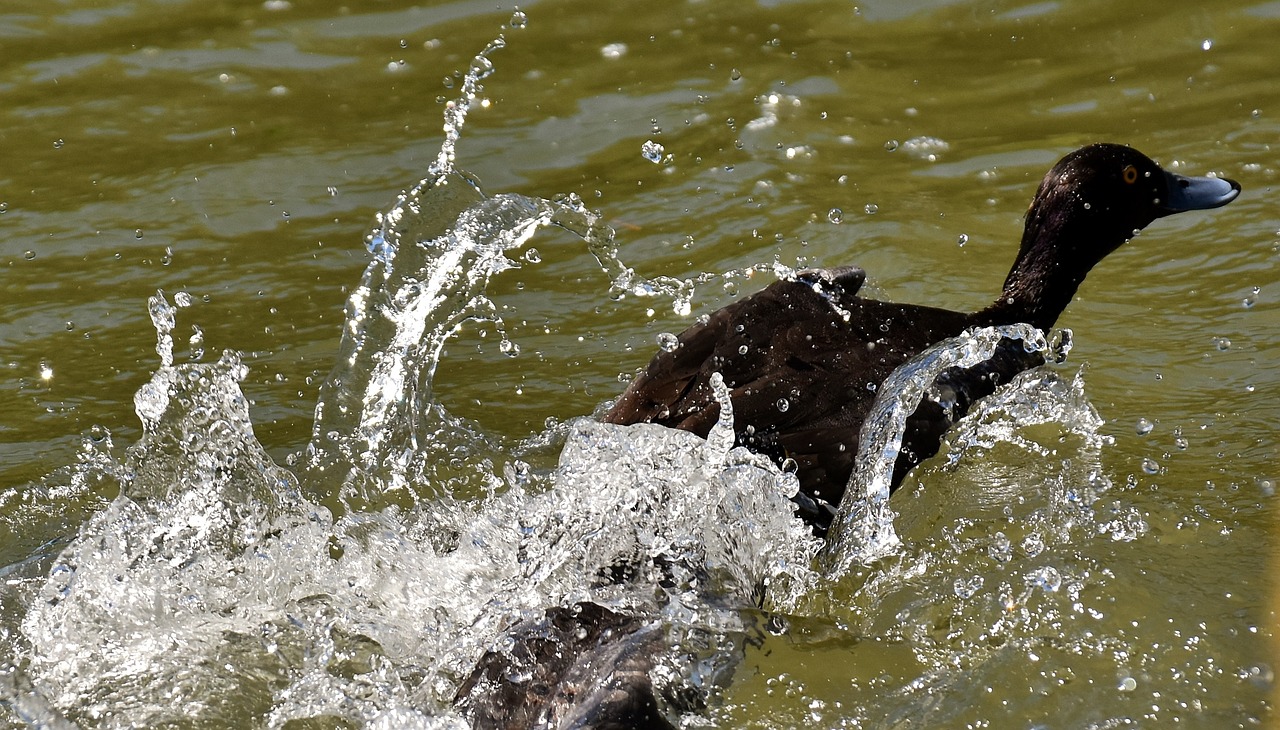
{"x": 668, "y": 342}
{"x": 1127, "y": 684}
{"x": 1033, "y": 544}
{"x": 1088, "y": 206}
{"x": 533, "y": 256}
{"x": 872, "y": 208}
{"x": 1149, "y": 466}
{"x": 1000, "y": 549}
{"x": 58, "y": 143}
{"x": 519, "y": 19}
{"x": 1266, "y": 486}
{"x": 614, "y": 51}
{"x": 1206, "y": 44}
{"x": 1144, "y": 427}
{"x": 1047, "y": 578}
{"x": 481, "y": 67}
{"x": 835, "y": 215}
{"x": 743, "y": 349}
{"x": 46, "y": 371}
{"x": 1222, "y": 343}
{"x": 891, "y": 145}
{"x": 137, "y": 233}
{"x": 963, "y": 239}
{"x": 784, "y": 405}
{"x": 183, "y": 299}
{"x": 652, "y": 151}
{"x": 1249, "y": 300}
{"x": 4, "y": 208}
{"x": 28, "y": 254}
{"x": 966, "y": 587}
{"x": 333, "y": 191}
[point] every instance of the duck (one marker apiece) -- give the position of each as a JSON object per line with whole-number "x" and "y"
{"x": 804, "y": 357}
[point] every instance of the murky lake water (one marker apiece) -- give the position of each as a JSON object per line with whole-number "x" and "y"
{"x": 1071, "y": 575}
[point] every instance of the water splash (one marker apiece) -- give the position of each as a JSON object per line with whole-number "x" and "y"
{"x": 216, "y": 589}
{"x": 862, "y": 529}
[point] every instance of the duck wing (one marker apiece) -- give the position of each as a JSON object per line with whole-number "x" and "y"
{"x": 757, "y": 341}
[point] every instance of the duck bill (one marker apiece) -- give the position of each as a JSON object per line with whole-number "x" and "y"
{"x": 1197, "y": 193}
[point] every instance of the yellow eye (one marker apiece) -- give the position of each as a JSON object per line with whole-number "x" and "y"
{"x": 1130, "y": 174}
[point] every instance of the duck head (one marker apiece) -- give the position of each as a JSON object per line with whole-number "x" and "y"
{"x": 1091, "y": 202}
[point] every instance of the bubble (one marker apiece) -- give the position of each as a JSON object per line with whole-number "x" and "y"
{"x": 1222, "y": 343}
{"x": 668, "y": 342}
{"x": 871, "y": 208}
{"x": 963, "y": 239}
{"x": 519, "y": 19}
{"x": 743, "y": 349}
{"x": 652, "y": 151}
{"x": 784, "y": 405}
{"x": 835, "y": 215}
{"x": 1144, "y": 427}
{"x": 1127, "y": 684}
{"x": 925, "y": 148}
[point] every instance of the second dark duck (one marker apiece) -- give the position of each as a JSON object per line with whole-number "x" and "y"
{"x": 815, "y": 346}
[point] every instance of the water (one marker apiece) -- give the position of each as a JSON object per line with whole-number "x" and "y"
{"x": 230, "y": 156}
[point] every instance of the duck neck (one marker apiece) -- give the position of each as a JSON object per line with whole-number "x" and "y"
{"x": 1047, "y": 272}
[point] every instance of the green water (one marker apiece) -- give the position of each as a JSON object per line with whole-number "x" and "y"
{"x": 238, "y": 151}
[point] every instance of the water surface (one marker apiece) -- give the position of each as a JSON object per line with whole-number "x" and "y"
{"x": 237, "y": 152}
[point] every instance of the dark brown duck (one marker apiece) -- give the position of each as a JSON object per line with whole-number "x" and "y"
{"x": 813, "y": 342}
{"x": 804, "y": 357}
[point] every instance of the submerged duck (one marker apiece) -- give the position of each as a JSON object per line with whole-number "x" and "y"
{"x": 804, "y": 357}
